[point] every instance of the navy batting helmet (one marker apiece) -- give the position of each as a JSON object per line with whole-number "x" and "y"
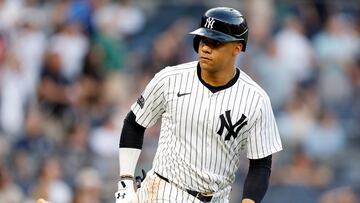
{"x": 222, "y": 24}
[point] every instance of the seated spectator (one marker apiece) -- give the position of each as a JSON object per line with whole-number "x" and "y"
{"x": 55, "y": 95}
{"x": 88, "y": 186}
{"x": 53, "y": 87}
{"x": 50, "y": 185}
{"x": 9, "y": 191}
{"x": 326, "y": 138}
{"x": 303, "y": 171}
{"x": 32, "y": 147}
{"x": 34, "y": 141}
{"x": 14, "y": 94}
{"x": 76, "y": 152}
{"x": 339, "y": 195}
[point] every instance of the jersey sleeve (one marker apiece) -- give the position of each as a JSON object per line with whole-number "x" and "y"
{"x": 150, "y": 105}
{"x": 264, "y": 137}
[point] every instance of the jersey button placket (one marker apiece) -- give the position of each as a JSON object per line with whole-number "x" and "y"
{"x": 207, "y": 111}
{"x": 210, "y": 122}
{"x": 212, "y": 106}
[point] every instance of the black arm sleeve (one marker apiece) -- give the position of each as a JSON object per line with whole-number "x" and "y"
{"x": 132, "y": 134}
{"x": 257, "y": 179}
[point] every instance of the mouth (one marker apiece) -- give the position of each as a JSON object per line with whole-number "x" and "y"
{"x": 203, "y": 58}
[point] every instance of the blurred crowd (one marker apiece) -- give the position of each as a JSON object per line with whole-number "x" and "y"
{"x": 70, "y": 69}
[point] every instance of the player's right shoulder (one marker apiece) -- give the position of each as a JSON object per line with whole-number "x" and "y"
{"x": 184, "y": 67}
{"x": 169, "y": 71}
{"x": 177, "y": 69}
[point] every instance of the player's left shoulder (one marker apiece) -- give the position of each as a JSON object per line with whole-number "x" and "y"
{"x": 252, "y": 85}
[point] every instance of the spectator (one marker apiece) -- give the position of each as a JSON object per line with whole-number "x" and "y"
{"x": 14, "y": 95}
{"x": 266, "y": 67}
{"x": 326, "y": 138}
{"x": 292, "y": 45}
{"x": 29, "y": 48}
{"x": 296, "y": 118}
{"x": 76, "y": 152}
{"x": 10, "y": 12}
{"x": 9, "y": 191}
{"x": 29, "y": 150}
{"x": 304, "y": 171}
{"x": 55, "y": 96}
{"x": 50, "y": 185}
{"x": 88, "y": 186}
{"x": 119, "y": 13}
{"x": 71, "y": 45}
{"x": 102, "y": 141}
{"x": 34, "y": 141}
{"x": 338, "y": 34}
{"x": 339, "y": 195}
{"x": 109, "y": 47}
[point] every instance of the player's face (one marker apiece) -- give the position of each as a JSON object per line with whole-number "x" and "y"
{"x": 215, "y": 56}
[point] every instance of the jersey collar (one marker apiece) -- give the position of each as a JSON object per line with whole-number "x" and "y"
{"x": 215, "y": 89}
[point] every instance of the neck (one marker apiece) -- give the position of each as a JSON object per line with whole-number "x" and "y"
{"x": 218, "y": 78}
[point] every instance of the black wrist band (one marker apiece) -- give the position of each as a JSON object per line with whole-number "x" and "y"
{"x": 127, "y": 177}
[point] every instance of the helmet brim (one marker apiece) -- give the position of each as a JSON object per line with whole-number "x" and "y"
{"x": 213, "y": 34}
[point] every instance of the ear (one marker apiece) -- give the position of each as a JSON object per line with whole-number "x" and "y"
{"x": 237, "y": 48}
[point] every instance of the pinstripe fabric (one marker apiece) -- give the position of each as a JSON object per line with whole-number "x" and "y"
{"x": 193, "y": 151}
{"x": 156, "y": 190}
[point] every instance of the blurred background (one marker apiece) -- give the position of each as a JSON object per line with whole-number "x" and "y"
{"x": 70, "y": 69}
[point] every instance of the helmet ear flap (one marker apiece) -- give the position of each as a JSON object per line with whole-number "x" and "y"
{"x": 196, "y": 42}
{"x": 243, "y": 42}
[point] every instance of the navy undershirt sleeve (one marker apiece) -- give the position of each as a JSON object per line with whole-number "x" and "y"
{"x": 257, "y": 179}
{"x": 132, "y": 134}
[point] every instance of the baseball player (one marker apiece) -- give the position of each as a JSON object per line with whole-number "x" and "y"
{"x": 211, "y": 112}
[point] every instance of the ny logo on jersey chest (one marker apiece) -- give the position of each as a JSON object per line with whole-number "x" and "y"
{"x": 232, "y": 129}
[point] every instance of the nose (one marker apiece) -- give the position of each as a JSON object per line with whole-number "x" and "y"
{"x": 203, "y": 47}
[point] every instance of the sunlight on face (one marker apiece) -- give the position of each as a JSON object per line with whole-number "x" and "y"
{"x": 215, "y": 56}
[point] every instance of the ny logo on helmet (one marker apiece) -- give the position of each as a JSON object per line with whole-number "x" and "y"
{"x": 232, "y": 129}
{"x": 209, "y": 23}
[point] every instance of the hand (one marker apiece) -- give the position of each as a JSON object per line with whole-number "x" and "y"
{"x": 42, "y": 201}
{"x": 247, "y": 201}
{"x": 126, "y": 192}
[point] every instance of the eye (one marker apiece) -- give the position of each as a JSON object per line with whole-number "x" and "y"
{"x": 211, "y": 42}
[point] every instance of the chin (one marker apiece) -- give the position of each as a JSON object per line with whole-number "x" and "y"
{"x": 209, "y": 68}
{"x": 205, "y": 65}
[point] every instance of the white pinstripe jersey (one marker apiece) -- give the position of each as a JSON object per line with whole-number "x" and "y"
{"x": 202, "y": 132}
